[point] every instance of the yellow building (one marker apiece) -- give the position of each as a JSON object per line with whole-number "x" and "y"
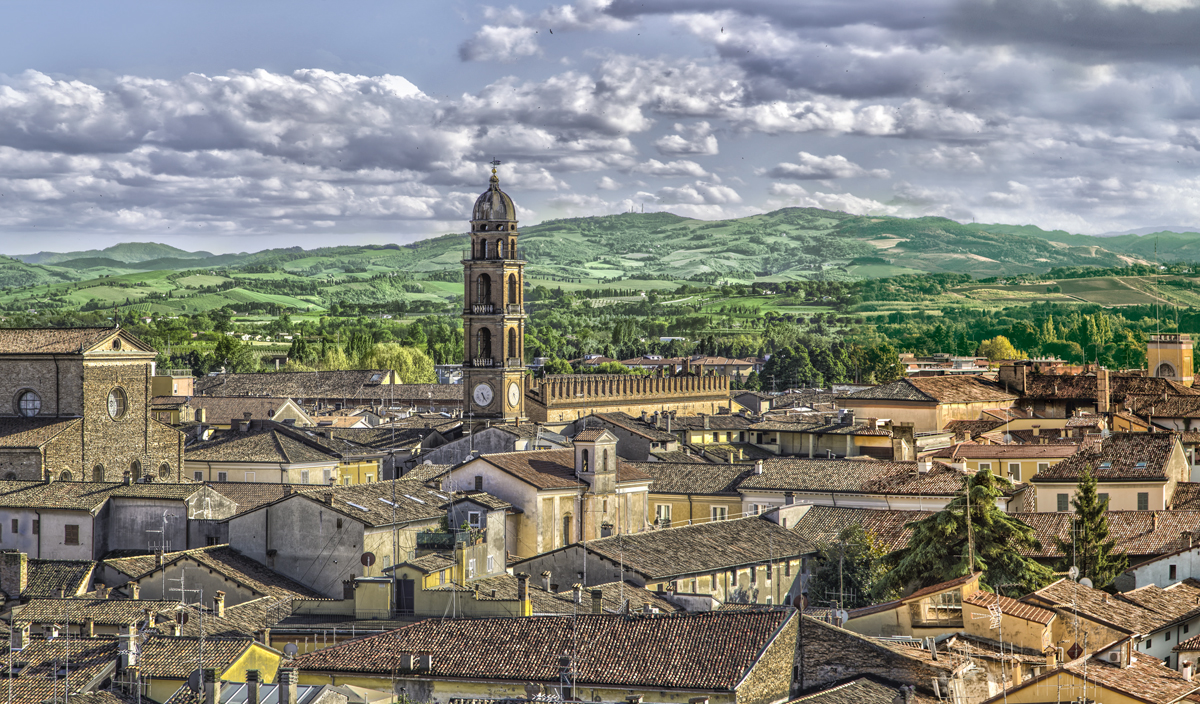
{"x": 929, "y": 403}
{"x": 931, "y": 611}
{"x": 1134, "y": 471}
{"x": 255, "y": 451}
{"x": 165, "y": 662}
{"x": 1169, "y": 356}
{"x": 683, "y": 494}
{"x": 829, "y": 436}
{"x": 1016, "y": 463}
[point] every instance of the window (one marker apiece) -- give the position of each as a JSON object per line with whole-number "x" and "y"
{"x": 249, "y": 476}
{"x": 473, "y": 519}
{"x": 1167, "y": 636}
{"x": 716, "y": 437}
{"x": 164, "y": 471}
{"x": 65, "y": 476}
{"x": 491, "y": 563}
{"x": 787, "y": 568}
{"x": 70, "y": 535}
{"x": 1014, "y": 471}
{"x": 212, "y": 540}
{"x": 662, "y": 515}
{"x": 470, "y": 568}
{"x": 37, "y": 526}
{"x": 1170, "y": 568}
{"x": 1149, "y": 642}
{"x": 339, "y": 524}
{"x": 346, "y": 481}
{"x": 198, "y": 476}
{"x": 1043, "y": 466}
{"x": 985, "y": 465}
{"x": 1185, "y": 628}
{"x": 478, "y": 483}
{"x": 1103, "y": 498}
{"x": 566, "y": 528}
{"x": 29, "y": 404}
{"x": 304, "y": 476}
{"x": 442, "y": 577}
{"x": 135, "y": 470}
{"x": 16, "y": 528}
{"x": 1143, "y": 501}
{"x": 754, "y": 575}
{"x": 720, "y": 513}
{"x": 328, "y": 475}
{"x": 369, "y": 478}
{"x": 222, "y": 476}
{"x": 1062, "y": 502}
{"x": 117, "y": 403}
{"x": 98, "y": 473}
{"x": 605, "y": 507}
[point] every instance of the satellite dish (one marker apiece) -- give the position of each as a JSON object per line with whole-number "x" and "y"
{"x": 290, "y": 650}
{"x": 842, "y": 617}
{"x": 181, "y": 618}
{"x": 194, "y": 681}
{"x": 1073, "y": 573}
{"x": 367, "y": 559}
{"x": 800, "y": 602}
{"x": 1086, "y": 582}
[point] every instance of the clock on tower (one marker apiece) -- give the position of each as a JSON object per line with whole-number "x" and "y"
{"x": 493, "y": 311}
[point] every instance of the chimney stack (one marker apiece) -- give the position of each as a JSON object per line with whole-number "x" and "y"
{"x": 219, "y": 604}
{"x": 125, "y": 639}
{"x": 1051, "y": 658}
{"x": 101, "y": 591}
{"x": 252, "y": 683}
{"x": 212, "y": 686}
{"x": 1187, "y": 670}
{"x": 1102, "y": 391}
{"x": 546, "y": 580}
{"x": 329, "y": 498}
{"x": 89, "y": 627}
{"x": 20, "y": 637}
{"x": 135, "y": 591}
{"x": 597, "y": 601}
{"x": 577, "y": 593}
{"x": 286, "y": 678}
{"x": 14, "y": 574}
{"x": 758, "y": 466}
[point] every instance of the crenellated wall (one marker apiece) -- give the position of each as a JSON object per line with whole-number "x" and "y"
{"x": 569, "y": 396}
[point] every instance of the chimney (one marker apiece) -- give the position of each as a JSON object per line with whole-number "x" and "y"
{"x": 101, "y": 591}
{"x": 577, "y": 593}
{"x": 212, "y": 686}
{"x": 698, "y": 700}
{"x": 597, "y": 601}
{"x": 14, "y": 574}
{"x": 127, "y": 478}
{"x": 328, "y": 496}
{"x": 286, "y": 680}
{"x": 247, "y": 415}
{"x": 158, "y": 558}
{"x": 1051, "y": 658}
{"x": 20, "y": 637}
{"x": 219, "y": 604}
{"x": 1154, "y": 521}
{"x": 1102, "y": 392}
{"x": 252, "y": 681}
{"x": 923, "y": 467}
{"x": 705, "y": 417}
{"x": 546, "y": 580}
{"x": 1186, "y": 671}
{"x": 89, "y": 627}
{"x": 176, "y": 629}
{"x": 758, "y": 466}
{"x": 634, "y": 699}
{"x": 135, "y": 591}
{"x": 848, "y": 418}
{"x": 668, "y": 422}
{"x": 125, "y": 640}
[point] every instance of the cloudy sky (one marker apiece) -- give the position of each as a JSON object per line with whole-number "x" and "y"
{"x": 235, "y": 126}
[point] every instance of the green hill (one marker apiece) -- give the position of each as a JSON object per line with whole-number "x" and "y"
{"x": 128, "y": 252}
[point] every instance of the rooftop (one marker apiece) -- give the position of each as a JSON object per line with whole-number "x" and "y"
{"x": 175, "y": 657}
{"x": 553, "y": 469}
{"x": 226, "y": 561}
{"x": 1011, "y": 607}
{"x": 1137, "y": 533}
{"x": 1097, "y": 605}
{"x": 86, "y": 496}
{"x": 32, "y": 432}
{"x": 351, "y": 385}
{"x": 854, "y": 476}
{"x": 56, "y": 340}
{"x": 694, "y": 478}
{"x": 263, "y": 444}
{"x": 822, "y": 524}
{"x": 939, "y": 389}
{"x": 1121, "y": 457}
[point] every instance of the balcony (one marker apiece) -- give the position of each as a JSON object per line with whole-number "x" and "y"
{"x": 492, "y": 256}
{"x": 480, "y": 362}
{"x": 515, "y": 309}
{"x": 482, "y": 308}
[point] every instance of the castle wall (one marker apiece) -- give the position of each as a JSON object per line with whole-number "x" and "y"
{"x": 564, "y": 398}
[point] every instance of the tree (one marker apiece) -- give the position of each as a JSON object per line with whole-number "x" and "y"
{"x": 1090, "y": 547}
{"x": 235, "y": 356}
{"x": 943, "y": 545}
{"x": 410, "y": 364}
{"x": 852, "y": 566}
{"x": 554, "y": 365}
{"x": 999, "y": 348}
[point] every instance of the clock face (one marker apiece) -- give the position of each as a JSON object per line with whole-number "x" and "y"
{"x": 482, "y": 395}
{"x": 514, "y": 394}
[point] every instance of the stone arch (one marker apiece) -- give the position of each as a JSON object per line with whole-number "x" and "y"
{"x": 483, "y": 343}
{"x": 135, "y": 470}
{"x": 584, "y": 458}
{"x": 500, "y": 248}
{"x": 65, "y": 476}
{"x": 512, "y": 290}
{"x": 98, "y": 473}
{"x": 483, "y": 289}
{"x": 512, "y": 343}
{"x": 1164, "y": 370}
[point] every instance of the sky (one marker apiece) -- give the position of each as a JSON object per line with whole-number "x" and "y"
{"x": 240, "y": 126}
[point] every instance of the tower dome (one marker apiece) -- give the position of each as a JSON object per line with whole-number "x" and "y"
{"x": 494, "y": 204}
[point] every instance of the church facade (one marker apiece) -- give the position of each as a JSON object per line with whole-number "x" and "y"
{"x": 79, "y": 408}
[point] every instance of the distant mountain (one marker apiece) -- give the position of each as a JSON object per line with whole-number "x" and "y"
{"x": 126, "y": 252}
{"x": 1163, "y": 246}
{"x": 1175, "y": 229}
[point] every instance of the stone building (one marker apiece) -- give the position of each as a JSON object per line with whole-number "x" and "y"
{"x": 80, "y": 407}
{"x": 568, "y": 397}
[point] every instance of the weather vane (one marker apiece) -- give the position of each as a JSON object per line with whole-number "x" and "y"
{"x": 495, "y": 163}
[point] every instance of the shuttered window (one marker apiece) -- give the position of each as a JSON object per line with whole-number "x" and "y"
{"x": 71, "y": 535}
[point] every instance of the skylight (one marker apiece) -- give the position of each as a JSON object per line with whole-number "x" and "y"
{"x": 410, "y": 496}
{"x": 389, "y": 503}
{"x": 1106, "y": 465}
{"x": 1141, "y": 465}
{"x": 360, "y": 508}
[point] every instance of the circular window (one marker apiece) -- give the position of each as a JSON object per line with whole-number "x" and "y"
{"x": 117, "y": 403}
{"x": 29, "y": 404}
{"x": 164, "y": 470}
{"x": 117, "y": 343}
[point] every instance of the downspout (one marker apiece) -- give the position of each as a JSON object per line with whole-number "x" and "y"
{"x": 39, "y": 533}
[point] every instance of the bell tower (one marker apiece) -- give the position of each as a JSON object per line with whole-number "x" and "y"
{"x": 493, "y": 310}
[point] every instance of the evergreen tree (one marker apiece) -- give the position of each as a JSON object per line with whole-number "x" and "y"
{"x": 848, "y": 571}
{"x": 1091, "y": 547}
{"x": 941, "y": 547}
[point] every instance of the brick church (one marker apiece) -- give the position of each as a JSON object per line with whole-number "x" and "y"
{"x": 495, "y": 385}
{"x": 79, "y": 408}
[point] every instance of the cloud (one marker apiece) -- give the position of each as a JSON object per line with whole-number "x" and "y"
{"x": 606, "y": 183}
{"x": 794, "y": 195}
{"x": 512, "y": 34}
{"x": 698, "y": 193}
{"x": 500, "y": 43}
{"x": 682, "y": 167}
{"x": 696, "y": 139}
{"x": 813, "y": 167}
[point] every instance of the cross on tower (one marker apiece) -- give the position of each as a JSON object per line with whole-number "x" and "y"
{"x": 495, "y": 163}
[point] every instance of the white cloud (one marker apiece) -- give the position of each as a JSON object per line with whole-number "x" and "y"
{"x": 813, "y": 167}
{"x": 698, "y": 193}
{"x": 682, "y": 167}
{"x": 500, "y": 43}
{"x": 606, "y": 183}
{"x": 696, "y": 139}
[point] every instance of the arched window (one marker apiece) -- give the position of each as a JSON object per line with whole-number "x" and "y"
{"x": 512, "y": 290}
{"x": 584, "y": 456}
{"x": 512, "y": 343}
{"x": 10, "y": 476}
{"x": 98, "y": 473}
{"x": 604, "y": 466}
{"x": 483, "y": 289}
{"x": 483, "y": 343}
{"x": 1164, "y": 370}
{"x": 164, "y": 470}
{"x": 566, "y": 532}
{"x": 500, "y": 248}
{"x": 135, "y": 470}
{"x": 65, "y": 476}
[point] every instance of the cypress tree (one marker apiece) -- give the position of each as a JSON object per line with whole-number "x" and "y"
{"x": 1091, "y": 547}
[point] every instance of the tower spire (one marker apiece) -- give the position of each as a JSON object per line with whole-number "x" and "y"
{"x": 495, "y": 179}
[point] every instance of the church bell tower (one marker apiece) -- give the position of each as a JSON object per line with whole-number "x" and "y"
{"x": 493, "y": 310}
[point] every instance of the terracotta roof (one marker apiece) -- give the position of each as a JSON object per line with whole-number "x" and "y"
{"x": 176, "y": 657}
{"x": 1177, "y": 601}
{"x": 51, "y": 340}
{"x": 265, "y": 444}
{"x": 563, "y": 602}
{"x": 1145, "y": 679}
{"x": 940, "y": 389}
{"x": 222, "y": 409}
{"x": 250, "y": 495}
{"x": 1122, "y": 387}
{"x": 41, "y": 671}
{"x": 822, "y": 524}
{"x": 863, "y": 690}
{"x": 955, "y": 583}
{"x": 351, "y": 385}
{"x": 680, "y": 457}
{"x": 111, "y": 612}
{"x": 48, "y": 577}
{"x": 162, "y": 403}
{"x": 227, "y": 562}
{"x": 426, "y": 472}
{"x": 1121, "y": 457}
{"x": 86, "y": 496}
{"x": 484, "y": 499}
{"x": 431, "y": 562}
{"x": 817, "y": 426}
{"x": 377, "y": 439}
{"x": 706, "y": 651}
{"x": 1136, "y": 533}
{"x": 715, "y": 422}
{"x": 377, "y": 503}
{"x": 1186, "y": 497}
{"x": 32, "y": 432}
{"x": 1011, "y": 607}
{"x": 637, "y": 425}
{"x": 589, "y": 434}
{"x": 692, "y": 478}
{"x": 703, "y": 547}
{"x": 808, "y": 398}
{"x": 854, "y": 476}
{"x": 553, "y": 469}
{"x": 1005, "y": 452}
{"x": 1098, "y": 606}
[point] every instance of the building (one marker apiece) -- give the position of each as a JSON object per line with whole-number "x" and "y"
{"x": 1016, "y": 463}
{"x": 22, "y": 578}
{"x": 638, "y": 438}
{"x": 81, "y": 407}
{"x": 166, "y": 662}
{"x": 677, "y": 658}
{"x": 569, "y": 397}
{"x": 254, "y": 690}
{"x": 1098, "y": 391}
{"x": 253, "y": 451}
{"x": 1169, "y": 356}
{"x": 40, "y": 676}
{"x": 687, "y": 493}
{"x": 221, "y": 411}
{"x": 929, "y": 403}
{"x": 833, "y": 435}
{"x": 745, "y": 561}
{"x": 377, "y": 388}
{"x": 1135, "y": 471}
{"x": 931, "y": 611}
{"x": 563, "y": 496}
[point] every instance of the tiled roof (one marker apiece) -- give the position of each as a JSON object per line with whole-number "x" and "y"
{"x": 1122, "y": 456}
{"x": 680, "y": 457}
{"x": 376, "y": 504}
{"x": 863, "y": 690}
{"x": 1135, "y": 532}
{"x": 703, "y": 547}
{"x": 692, "y": 478}
{"x": 590, "y": 435}
{"x": 854, "y": 476}
{"x": 86, "y": 496}
{"x": 822, "y": 524}
{"x": 426, "y": 472}
{"x": 715, "y": 422}
{"x": 222, "y": 409}
{"x": 553, "y": 469}
{"x": 38, "y": 680}
{"x": 1097, "y": 605}
{"x": 111, "y": 612}
{"x": 1011, "y": 607}
{"x": 162, "y": 403}
{"x": 492, "y": 503}
{"x": 955, "y": 583}
{"x": 1186, "y": 497}
{"x": 817, "y": 426}
{"x": 32, "y": 432}
{"x": 250, "y": 495}
{"x": 378, "y": 439}
{"x": 51, "y": 340}
{"x": 350, "y": 385}
{"x": 227, "y": 562}
{"x": 266, "y": 444}
{"x": 972, "y": 429}
{"x": 809, "y": 398}
{"x": 940, "y": 389}
{"x": 247, "y": 619}
{"x": 431, "y": 562}
{"x": 1146, "y": 678}
{"x": 1176, "y": 601}
{"x": 1005, "y": 452}
{"x": 48, "y": 577}
{"x": 706, "y": 651}
{"x": 176, "y": 657}
{"x": 563, "y": 602}
{"x": 637, "y": 425}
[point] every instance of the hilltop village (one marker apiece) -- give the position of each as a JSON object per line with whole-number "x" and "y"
{"x": 1020, "y": 531}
